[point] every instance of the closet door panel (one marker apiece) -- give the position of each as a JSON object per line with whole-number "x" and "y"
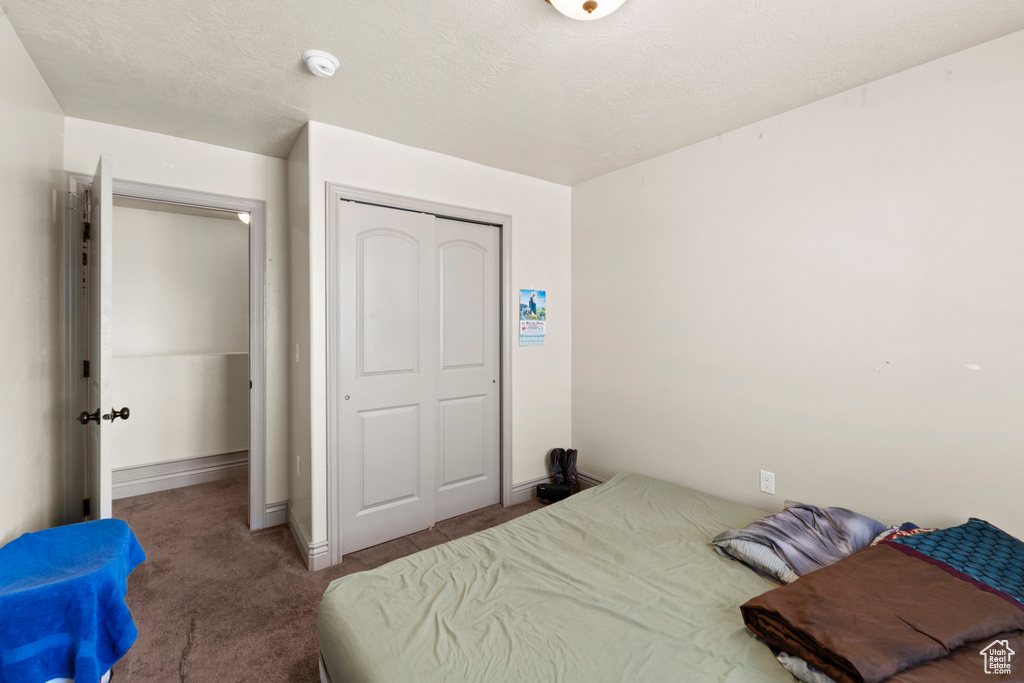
{"x": 462, "y": 438}
{"x": 468, "y": 367}
{"x": 388, "y": 278}
{"x": 389, "y": 447}
{"x": 386, "y": 375}
{"x": 463, "y": 310}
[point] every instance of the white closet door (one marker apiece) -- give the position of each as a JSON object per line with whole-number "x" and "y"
{"x": 386, "y": 374}
{"x": 468, "y": 367}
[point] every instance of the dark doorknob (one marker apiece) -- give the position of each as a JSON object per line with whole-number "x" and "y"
{"x": 114, "y": 414}
{"x": 86, "y": 417}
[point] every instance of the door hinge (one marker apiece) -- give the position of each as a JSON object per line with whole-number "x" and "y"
{"x": 87, "y": 211}
{"x": 85, "y": 368}
{"x": 86, "y": 511}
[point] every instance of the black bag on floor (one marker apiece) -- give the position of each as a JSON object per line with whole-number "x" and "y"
{"x": 552, "y": 493}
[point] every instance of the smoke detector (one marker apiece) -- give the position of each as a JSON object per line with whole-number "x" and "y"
{"x": 320, "y": 63}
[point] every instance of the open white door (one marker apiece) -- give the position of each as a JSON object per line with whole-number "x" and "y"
{"x": 101, "y": 413}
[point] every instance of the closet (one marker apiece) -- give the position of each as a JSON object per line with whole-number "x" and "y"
{"x": 180, "y": 342}
{"x": 416, "y": 371}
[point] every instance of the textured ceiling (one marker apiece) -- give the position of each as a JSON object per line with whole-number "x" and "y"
{"x": 507, "y": 83}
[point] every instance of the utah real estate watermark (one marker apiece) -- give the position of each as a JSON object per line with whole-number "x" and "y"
{"x": 998, "y": 657}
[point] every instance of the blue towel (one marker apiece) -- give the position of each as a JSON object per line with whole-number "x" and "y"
{"x": 62, "y": 609}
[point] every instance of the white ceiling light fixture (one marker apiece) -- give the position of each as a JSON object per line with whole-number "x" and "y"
{"x": 320, "y": 63}
{"x": 586, "y": 10}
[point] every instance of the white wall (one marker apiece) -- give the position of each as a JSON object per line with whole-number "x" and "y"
{"x": 175, "y": 162}
{"x": 540, "y": 210}
{"x": 182, "y": 406}
{"x": 181, "y": 283}
{"x": 31, "y": 154}
{"x": 833, "y": 294}
{"x": 300, "y": 499}
{"x": 180, "y": 335}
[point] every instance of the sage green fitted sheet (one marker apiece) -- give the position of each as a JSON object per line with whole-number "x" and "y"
{"x": 617, "y": 583}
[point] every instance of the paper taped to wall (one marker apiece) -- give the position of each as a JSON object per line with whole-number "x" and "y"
{"x": 532, "y": 316}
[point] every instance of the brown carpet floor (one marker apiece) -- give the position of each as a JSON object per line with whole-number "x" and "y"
{"x": 216, "y": 602}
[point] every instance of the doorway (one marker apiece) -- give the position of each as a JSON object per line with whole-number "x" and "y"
{"x": 418, "y": 365}
{"x": 180, "y": 324}
{"x": 158, "y": 360}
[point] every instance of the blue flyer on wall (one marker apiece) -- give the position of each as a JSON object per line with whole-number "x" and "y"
{"x": 532, "y": 317}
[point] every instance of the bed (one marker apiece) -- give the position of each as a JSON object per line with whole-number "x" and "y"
{"x": 616, "y": 583}
{"x": 940, "y": 606}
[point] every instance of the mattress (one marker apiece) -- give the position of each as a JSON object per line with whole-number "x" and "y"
{"x": 616, "y": 583}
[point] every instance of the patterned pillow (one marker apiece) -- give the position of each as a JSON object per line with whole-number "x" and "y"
{"x": 760, "y": 558}
{"x": 894, "y": 532}
{"x": 806, "y": 537}
{"x": 977, "y": 549}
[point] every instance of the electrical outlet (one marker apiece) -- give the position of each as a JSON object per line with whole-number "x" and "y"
{"x": 768, "y": 482}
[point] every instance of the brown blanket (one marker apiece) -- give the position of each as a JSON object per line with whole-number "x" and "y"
{"x": 880, "y": 612}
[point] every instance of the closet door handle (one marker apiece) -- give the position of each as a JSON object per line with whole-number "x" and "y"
{"x": 124, "y": 413}
{"x": 86, "y": 417}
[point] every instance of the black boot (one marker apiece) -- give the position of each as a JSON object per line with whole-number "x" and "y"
{"x": 558, "y": 465}
{"x": 572, "y": 479}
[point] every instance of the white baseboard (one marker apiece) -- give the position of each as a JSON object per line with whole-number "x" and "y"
{"x": 315, "y": 554}
{"x": 589, "y": 481}
{"x": 275, "y": 514}
{"x": 161, "y": 476}
{"x": 528, "y": 489}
